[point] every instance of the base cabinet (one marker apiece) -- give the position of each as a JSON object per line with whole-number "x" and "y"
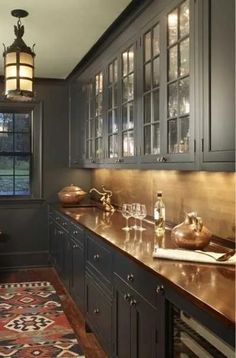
{"x": 136, "y": 331}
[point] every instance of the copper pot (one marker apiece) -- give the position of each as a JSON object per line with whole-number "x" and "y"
{"x": 71, "y": 194}
{"x": 191, "y": 234}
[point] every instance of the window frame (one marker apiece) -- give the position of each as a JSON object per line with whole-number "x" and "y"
{"x": 35, "y": 108}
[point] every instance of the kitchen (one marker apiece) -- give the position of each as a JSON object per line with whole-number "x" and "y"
{"x": 150, "y": 106}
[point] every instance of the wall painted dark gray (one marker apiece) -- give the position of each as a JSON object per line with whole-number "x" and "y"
{"x": 25, "y": 224}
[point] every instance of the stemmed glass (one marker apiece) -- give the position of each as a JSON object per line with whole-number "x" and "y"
{"x": 134, "y": 211}
{"x": 141, "y": 214}
{"x": 126, "y": 213}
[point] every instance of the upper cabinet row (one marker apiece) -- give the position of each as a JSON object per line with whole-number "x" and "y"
{"x": 163, "y": 100}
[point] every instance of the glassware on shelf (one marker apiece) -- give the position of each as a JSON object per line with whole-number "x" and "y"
{"x": 141, "y": 213}
{"x": 126, "y": 213}
{"x": 134, "y": 211}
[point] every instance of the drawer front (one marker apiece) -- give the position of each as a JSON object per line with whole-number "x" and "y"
{"x": 99, "y": 257}
{"x": 60, "y": 219}
{"x": 99, "y": 313}
{"x": 137, "y": 277}
{"x": 77, "y": 233}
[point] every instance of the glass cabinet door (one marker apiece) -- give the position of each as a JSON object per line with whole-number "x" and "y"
{"x": 99, "y": 116}
{"x": 113, "y": 110}
{"x": 90, "y": 118}
{"x": 178, "y": 79}
{"x": 151, "y": 91}
{"x": 127, "y": 109}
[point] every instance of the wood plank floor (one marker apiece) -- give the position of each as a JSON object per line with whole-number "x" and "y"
{"x": 88, "y": 342}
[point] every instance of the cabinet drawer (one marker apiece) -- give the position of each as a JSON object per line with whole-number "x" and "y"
{"x": 77, "y": 233}
{"x": 137, "y": 277}
{"x": 60, "y": 219}
{"x": 99, "y": 257}
{"x": 98, "y": 313}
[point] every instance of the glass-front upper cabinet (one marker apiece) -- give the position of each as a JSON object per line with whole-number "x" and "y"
{"x": 167, "y": 88}
{"x": 178, "y": 79}
{"x": 94, "y": 120}
{"x": 121, "y": 103}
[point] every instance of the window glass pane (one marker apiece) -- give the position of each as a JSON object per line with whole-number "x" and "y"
{"x": 173, "y": 27}
{"x": 98, "y": 148}
{"x": 130, "y": 115}
{"x": 184, "y": 57}
{"x": 128, "y": 144}
{"x": 6, "y": 165}
{"x": 109, "y": 97}
{"x": 99, "y": 104}
{"x": 22, "y": 122}
{"x": 172, "y": 136}
{"x": 98, "y": 126}
{"x": 110, "y": 73}
{"x": 6, "y": 185}
{"x": 6, "y": 142}
{"x": 184, "y": 105}
{"x": 147, "y": 46}
{"x": 173, "y": 63}
{"x": 125, "y": 63}
{"x": 130, "y": 87}
{"x": 115, "y": 121}
{"x": 109, "y": 118}
{"x": 147, "y": 77}
{"x": 113, "y": 146}
{"x": 147, "y": 140}
{"x": 131, "y": 59}
{"x": 6, "y": 122}
{"x": 124, "y": 118}
{"x": 184, "y": 19}
{"x": 156, "y": 138}
{"x": 22, "y": 185}
{"x": 115, "y": 95}
{"x": 22, "y": 142}
{"x": 125, "y": 89}
{"x": 22, "y": 165}
{"x": 155, "y": 96}
{"x": 184, "y": 135}
{"x": 156, "y": 40}
{"x": 115, "y": 71}
{"x": 172, "y": 100}
{"x": 156, "y": 72}
{"x": 147, "y": 108}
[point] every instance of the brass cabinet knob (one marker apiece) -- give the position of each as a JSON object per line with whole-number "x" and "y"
{"x": 160, "y": 289}
{"x": 96, "y": 257}
{"x": 130, "y": 277}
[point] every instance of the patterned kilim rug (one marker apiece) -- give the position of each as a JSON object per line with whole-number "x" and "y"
{"x": 33, "y": 324}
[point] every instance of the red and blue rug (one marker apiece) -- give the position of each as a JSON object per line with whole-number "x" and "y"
{"x": 33, "y": 324}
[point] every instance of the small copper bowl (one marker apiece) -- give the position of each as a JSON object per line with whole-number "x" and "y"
{"x": 71, "y": 195}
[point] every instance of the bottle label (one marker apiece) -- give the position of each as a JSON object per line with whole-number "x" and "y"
{"x": 159, "y": 214}
{"x": 156, "y": 214}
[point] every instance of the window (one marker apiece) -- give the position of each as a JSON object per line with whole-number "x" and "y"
{"x": 20, "y": 150}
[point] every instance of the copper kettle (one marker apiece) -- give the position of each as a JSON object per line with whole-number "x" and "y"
{"x": 71, "y": 194}
{"x": 191, "y": 234}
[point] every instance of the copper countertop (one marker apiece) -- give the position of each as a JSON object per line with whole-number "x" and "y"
{"x": 211, "y": 287}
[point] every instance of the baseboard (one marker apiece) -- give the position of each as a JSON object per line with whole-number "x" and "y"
{"x": 18, "y": 260}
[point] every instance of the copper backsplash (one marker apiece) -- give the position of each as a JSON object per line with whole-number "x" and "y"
{"x": 212, "y": 195}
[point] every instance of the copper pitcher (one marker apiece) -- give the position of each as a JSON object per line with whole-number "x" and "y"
{"x": 191, "y": 234}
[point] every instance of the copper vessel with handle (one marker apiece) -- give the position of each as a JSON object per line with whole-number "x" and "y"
{"x": 191, "y": 234}
{"x": 71, "y": 194}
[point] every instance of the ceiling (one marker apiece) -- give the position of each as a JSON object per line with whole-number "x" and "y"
{"x": 63, "y": 30}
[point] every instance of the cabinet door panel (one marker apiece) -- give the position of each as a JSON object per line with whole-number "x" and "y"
{"x": 219, "y": 85}
{"x": 77, "y": 275}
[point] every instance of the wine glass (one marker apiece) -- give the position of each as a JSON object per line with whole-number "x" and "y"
{"x": 134, "y": 211}
{"x": 141, "y": 214}
{"x": 126, "y": 213}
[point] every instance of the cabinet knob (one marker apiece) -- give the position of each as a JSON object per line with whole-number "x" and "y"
{"x": 75, "y": 232}
{"x": 130, "y": 277}
{"x": 75, "y": 246}
{"x": 96, "y": 257}
{"x": 164, "y": 159}
{"x": 160, "y": 289}
{"x": 127, "y": 297}
{"x": 96, "y": 311}
{"x": 60, "y": 232}
{"x": 64, "y": 223}
{"x": 133, "y": 303}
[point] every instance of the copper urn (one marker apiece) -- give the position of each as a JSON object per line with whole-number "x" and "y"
{"x": 191, "y": 234}
{"x": 71, "y": 195}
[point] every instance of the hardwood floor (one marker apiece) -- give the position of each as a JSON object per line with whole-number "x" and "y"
{"x": 88, "y": 342}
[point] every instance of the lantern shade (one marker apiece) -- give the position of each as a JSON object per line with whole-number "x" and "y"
{"x": 19, "y": 68}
